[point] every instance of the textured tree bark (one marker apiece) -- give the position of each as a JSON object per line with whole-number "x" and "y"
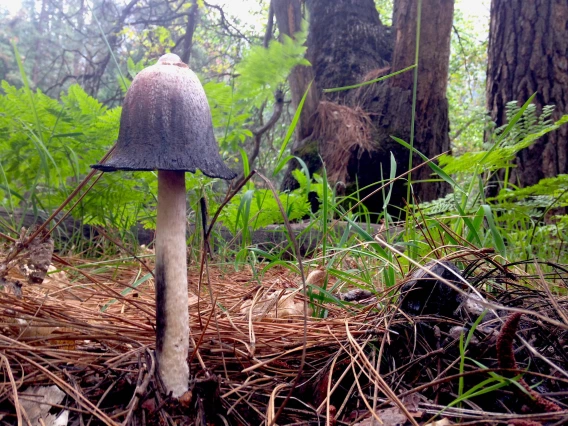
{"x": 528, "y": 53}
{"x": 289, "y": 17}
{"x": 432, "y": 124}
{"x": 390, "y": 103}
{"x": 348, "y": 44}
{"x": 346, "y": 41}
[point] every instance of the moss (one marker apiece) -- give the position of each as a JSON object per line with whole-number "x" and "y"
{"x": 309, "y": 152}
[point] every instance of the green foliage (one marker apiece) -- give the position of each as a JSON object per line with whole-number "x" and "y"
{"x": 546, "y": 190}
{"x": 384, "y": 7}
{"x": 263, "y": 209}
{"x": 524, "y": 210}
{"x": 39, "y": 150}
{"x": 515, "y": 218}
{"x": 133, "y": 69}
{"x": 445, "y": 204}
{"x": 228, "y": 116}
{"x": 260, "y": 74}
{"x": 507, "y": 141}
{"x": 44, "y": 158}
{"x": 466, "y": 84}
{"x": 48, "y": 145}
{"x": 257, "y": 208}
{"x": 262, "y": 71}
{"x": 529, "y": 123}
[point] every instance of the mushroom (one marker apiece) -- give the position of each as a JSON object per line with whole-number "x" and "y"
{"x": 166, "y": 126}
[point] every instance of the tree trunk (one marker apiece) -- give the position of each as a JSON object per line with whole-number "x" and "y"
{"x": 528, "y": 51}
{"x": 346, "y": 41}
{"x": 289, "y": 18}
{"x": 192, "y": 18}
{"x": 352, "y": 129}
{"x": 432, "y": 124}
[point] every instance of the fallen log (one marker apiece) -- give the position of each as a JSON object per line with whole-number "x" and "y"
{"x": 272, "y": 238}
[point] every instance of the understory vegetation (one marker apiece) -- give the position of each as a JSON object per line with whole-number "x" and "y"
{"x": 49, "y": 144}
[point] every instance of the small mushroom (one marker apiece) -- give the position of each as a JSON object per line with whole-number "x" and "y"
{"x": 166, "y": 126}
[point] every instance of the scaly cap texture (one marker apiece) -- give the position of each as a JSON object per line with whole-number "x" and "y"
{"x": 166, "y": 124}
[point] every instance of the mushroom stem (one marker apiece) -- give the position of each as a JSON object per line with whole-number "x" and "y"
{"x": 172, "y": 317}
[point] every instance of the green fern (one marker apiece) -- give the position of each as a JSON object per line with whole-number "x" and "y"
{"x": 533, "y": 201}
{"x": 76, "y": 132}
{"x": 520, "y": 137}
{"x": 556, "y": 187}
{"x": 262, "y": 71}
{"x": 529, "y": 123}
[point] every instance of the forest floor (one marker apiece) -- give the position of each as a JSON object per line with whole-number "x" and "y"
{"x": 82, "y": 343}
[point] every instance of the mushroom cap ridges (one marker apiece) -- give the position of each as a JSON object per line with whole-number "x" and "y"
{"x": 166, "y": 124}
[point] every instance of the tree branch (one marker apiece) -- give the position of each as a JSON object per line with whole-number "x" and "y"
{"x": 226, "y": 22}
{"x": 278, "y": 107}
{"x": 189, "y": 31}
{"x": 269, "y": 26}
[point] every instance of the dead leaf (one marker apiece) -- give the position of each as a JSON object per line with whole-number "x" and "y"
{"x": 443, "y": 422}
{"x": 389, "y": 416}
{"x": 316, "y": 277}
{"x": 37, "y": 260}
{"x": 37, "y": 401}
{"x": 32, "y": 331}
{"x": 278, "y": 304}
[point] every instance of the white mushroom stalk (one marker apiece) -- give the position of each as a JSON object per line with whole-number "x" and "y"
{"x": 172, "y": 318}
{"x": 166, "y": 126}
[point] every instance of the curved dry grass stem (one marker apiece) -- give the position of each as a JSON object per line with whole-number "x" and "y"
{"x": 8, "y": 370}
{"x": 377, "y": 376}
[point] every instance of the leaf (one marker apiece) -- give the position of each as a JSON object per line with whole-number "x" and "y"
{"x": 27, "y": 89}
{"x": 294, "y": 123}
{"x": 431, "y": 164}
{"x": 391, "y": 177}
{"x": 366, "y": 83}
{"x": 263, "y": 70}
{"x": 497, "y": 238}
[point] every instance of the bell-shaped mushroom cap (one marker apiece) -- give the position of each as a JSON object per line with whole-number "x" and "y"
{"x": 166, "y": 124}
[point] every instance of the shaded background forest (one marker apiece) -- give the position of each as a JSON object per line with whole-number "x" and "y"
{"x": 67, "y": 64}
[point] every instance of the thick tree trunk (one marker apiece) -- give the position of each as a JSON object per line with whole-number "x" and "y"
{"x": 289, "y": 19}
{"x": 352, "y": 129}
{"x": 390, "y": 103}
{"x": 432, "y": 123}
{"x": 528, "y": 51}
{"x": 346, "y": 41}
